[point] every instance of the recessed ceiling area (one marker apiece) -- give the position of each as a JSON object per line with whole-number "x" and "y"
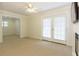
{"x": 20, "y": 7}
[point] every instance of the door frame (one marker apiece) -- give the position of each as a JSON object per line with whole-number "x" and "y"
{"x": 52, "y": 38}
{"x": 57, "y": 40}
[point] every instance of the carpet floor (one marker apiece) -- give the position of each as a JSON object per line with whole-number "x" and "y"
{"x": 13, "y": 46}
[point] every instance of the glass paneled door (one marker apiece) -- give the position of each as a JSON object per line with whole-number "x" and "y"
{"x": 59, "y": 28}
{"x": 46, "y": 28}
{"x": 54, "y": 29}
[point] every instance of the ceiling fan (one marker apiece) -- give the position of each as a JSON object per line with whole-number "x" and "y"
{"x": 28, "y": 8}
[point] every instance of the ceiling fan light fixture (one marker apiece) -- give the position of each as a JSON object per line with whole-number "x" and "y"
{"x": 30, "y": 5}
{"x": 31, "y": 10}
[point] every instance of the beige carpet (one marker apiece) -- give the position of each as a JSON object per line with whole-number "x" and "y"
{"x": 13, "y": 46}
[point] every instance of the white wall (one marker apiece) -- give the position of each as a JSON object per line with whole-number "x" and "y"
{"x": 1, "y": 38}
{"x": 76, "y": 27}
{"x": 35, "y": 22}
{"x": 23, "y": 22}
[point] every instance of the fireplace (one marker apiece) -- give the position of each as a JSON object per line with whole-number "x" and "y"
{"x": 76, "y": 43}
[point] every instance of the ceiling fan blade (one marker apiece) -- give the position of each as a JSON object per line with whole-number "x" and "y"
{"x": 22, "y": 5}
{"x": 27, "y": 5}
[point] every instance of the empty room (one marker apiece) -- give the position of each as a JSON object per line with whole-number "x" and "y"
{"x": 39, "y": 28}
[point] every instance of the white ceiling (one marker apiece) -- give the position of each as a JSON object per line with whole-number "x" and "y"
{"x": 19, "y": 7}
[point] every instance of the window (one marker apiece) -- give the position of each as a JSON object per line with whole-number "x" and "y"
{"x": 59, "y": 27}
{"x": 5, "y": 23}
{"x": 47, "y": 27}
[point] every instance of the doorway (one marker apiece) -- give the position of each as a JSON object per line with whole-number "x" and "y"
{"x": 11, "y": 27}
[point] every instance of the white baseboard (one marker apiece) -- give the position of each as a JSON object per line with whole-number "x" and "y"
{"x": 62, "y": 42}
{"x": 35, "y": 38}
